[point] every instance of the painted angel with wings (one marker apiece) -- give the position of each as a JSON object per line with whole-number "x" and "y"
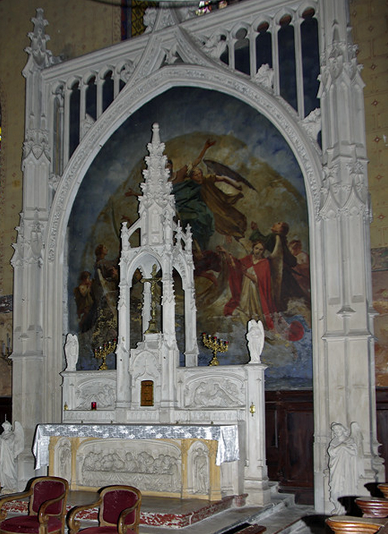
{"x": 205, "y": 206}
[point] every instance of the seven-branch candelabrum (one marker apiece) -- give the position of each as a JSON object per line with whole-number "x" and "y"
{"x": 216, "y": 345}
{"x": 103, "y": 351}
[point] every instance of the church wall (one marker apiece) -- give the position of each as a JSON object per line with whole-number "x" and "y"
{"x": 75, "y": 28}
{"x": 369, "y": 23}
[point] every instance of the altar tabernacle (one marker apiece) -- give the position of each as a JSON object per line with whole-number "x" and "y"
{"x": 184, "y": 430}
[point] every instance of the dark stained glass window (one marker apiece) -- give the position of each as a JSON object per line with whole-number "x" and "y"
{"x": 287, "y": 62}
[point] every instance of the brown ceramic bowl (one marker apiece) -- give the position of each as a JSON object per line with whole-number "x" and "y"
{"x": 373, "y": 506}
{"x": 384, "y": 489}
{"x": 345, "y": 524}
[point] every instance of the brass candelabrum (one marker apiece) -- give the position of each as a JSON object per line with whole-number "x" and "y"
{"x": 216, "y": 345}
{"x": 103, "y": 351}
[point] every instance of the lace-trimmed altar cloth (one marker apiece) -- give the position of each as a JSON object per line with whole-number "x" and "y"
{"x": 225, "y": 435}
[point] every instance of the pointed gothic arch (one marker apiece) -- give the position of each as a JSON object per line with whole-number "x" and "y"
{"x": 306, "y": 152}
{"x": 338, "y": 214}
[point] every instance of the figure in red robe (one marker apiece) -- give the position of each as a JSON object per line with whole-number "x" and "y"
{"x": 250, "y": 285}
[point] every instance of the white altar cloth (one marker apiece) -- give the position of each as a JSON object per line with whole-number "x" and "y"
{"x": 225, "y": 435}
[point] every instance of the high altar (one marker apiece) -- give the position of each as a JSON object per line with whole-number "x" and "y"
{"x": 180, "y": 430}
{"x": 181, "y": 53}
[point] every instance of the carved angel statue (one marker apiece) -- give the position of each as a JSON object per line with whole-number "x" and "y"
{"x": 256, "y": 338}
{"x": 71, "y": 352}
{"x": 345, "y": 463}
{"x": 11, "y": 445}
{"x": 313, "y": 123}
{"x": 149, "y": 19}
{"x": 215, "y": 46}
{"x": 265, "y": 76}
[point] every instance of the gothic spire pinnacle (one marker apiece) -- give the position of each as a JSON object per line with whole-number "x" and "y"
{"x": 38, "y": 50}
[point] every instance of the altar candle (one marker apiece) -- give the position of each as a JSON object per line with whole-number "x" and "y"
{"x": 93, "y": 406}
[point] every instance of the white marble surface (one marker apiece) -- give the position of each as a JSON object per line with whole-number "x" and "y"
{"x": 225, "y": 435}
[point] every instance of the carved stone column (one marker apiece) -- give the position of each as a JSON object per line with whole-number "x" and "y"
{"x": 32, "y": 372}
{"x": 344, "y": 369}
{"x": 123, "y": 396}
{"x": 256, "y": 474}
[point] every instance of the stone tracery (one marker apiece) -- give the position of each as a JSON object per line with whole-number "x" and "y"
{"x": 331, "y": 208}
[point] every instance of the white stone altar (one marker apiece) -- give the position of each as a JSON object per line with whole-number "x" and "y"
{"x": 177, "y": 460}
{"x": 149, "y": 386}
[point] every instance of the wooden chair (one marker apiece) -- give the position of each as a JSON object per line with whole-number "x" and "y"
{"x": 46, "y": 509}
{"x": 119, "y": 512}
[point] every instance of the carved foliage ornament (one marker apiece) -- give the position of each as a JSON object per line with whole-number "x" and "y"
{"x": 338, "y": 60}
{"x": 36, "y": 143}
{"x": 340, "y": 199}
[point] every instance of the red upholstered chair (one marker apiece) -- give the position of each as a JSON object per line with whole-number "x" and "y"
{"x": 46, "y": 508}
{"x": 119, "y": 512}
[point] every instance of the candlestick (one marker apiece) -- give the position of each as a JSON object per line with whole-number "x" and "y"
{"x": 216, "y": 345}
{"x": 103, "y": 351}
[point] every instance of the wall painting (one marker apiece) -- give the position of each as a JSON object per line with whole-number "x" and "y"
{"x": 240, "y": 188}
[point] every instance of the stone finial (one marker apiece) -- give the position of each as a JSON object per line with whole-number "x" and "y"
{"x": 38, "y": 50}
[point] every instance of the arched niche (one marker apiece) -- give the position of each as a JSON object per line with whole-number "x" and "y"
{"x": 258, "y": 151}
{"x": 130, "y": 100}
